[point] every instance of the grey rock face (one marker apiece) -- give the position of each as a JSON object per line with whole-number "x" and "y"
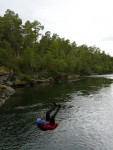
{"x": 5, "y": 93}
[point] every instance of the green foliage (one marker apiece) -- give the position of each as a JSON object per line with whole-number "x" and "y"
{"x": 12, "y": 31}
{"x": 23, "y": 49}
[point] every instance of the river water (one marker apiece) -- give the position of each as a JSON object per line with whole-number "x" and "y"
{"x": 86, "y": 116}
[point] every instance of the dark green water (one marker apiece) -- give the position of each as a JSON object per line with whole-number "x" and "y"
{"x": 86, "y": 117}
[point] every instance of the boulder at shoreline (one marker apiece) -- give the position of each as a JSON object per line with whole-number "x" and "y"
{"x": 5, "y": 91}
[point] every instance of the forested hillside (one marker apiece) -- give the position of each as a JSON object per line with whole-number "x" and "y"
{"x": 24, "y": 49}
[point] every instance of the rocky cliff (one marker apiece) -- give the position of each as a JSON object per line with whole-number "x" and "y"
{"x": 5, "y": 90}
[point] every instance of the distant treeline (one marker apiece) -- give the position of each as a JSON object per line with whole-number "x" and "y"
{"x": 26, "y": 50}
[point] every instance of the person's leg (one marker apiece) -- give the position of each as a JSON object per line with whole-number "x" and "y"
{"x": 49, "y": 111}
{"x": 52, "y": 119}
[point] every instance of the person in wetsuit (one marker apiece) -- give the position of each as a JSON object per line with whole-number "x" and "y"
{"x": 49, "y": 122}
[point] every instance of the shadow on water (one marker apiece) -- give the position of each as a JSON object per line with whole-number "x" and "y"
{"x": 82, "y": 103}
{"x": 46, "y": 94}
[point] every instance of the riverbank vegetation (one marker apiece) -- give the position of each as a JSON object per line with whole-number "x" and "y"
{"x": 25, "y": 50}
